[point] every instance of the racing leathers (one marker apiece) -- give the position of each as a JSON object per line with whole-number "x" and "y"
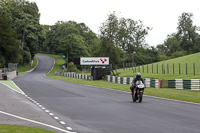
{"x": 134, "y": 83}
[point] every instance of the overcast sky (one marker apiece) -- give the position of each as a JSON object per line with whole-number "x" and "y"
{"x": 161, "y": 15}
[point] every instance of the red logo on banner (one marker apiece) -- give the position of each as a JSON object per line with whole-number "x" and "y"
{"x": 103, "y": 61}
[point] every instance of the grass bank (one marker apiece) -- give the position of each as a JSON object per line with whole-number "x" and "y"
{"x": 129, "y": 73}
{"x": 21, "y": 129}
{"x": 186, "y": 67}
{"x": 183, "y": 95}
{"x": 23, "y": 69}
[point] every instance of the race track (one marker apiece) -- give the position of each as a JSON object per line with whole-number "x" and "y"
{"x": 88, "y": 109}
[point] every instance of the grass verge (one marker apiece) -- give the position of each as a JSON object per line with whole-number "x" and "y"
{"x": 183, "y": 95}
{"x": 21, "y": 129}
{"x": 23, "y": 69}
{"x": 10, "y": 84}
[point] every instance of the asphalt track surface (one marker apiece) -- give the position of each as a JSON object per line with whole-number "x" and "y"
{"x": 88, "y": 109}
{"x": 16, "y": 109}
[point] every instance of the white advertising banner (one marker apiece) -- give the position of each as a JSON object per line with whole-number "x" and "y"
{"x": 94, "y": 61}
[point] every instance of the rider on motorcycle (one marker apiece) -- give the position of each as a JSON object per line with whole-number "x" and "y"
{"x": 138, "y": 77}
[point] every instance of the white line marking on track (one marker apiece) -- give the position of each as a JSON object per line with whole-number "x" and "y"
{"x": 51, "y": 114}
{"x": 62, "y": 122}
{"x": 56, "y": 118}
{"x": 36, "y": 122}
{"x": 47, "y": 111}
{"x": 69, "y": 128}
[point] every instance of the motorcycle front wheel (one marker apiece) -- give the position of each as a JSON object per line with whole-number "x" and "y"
{"x": 140, "y": 97}
{"x": 133, "y": 98}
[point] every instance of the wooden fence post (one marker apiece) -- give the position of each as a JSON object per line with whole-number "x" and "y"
{"x": 167, "y": 68}
{"x": 186, "y": 68}
{"x": 157, "y": 68}
{"x": 143, "y": 68}
{"x": 132, "y": 66}
{"x": 179, "y": 68}
{"x": 135, "y": 68}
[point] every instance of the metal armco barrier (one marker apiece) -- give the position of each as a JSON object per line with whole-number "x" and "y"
{"x": 190, "y": 84}
{"x": 156, "y": 83}
{"x": 74, "y": 75}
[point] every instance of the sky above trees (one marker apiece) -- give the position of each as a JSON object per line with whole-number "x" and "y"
{"x": 162, "y": 16}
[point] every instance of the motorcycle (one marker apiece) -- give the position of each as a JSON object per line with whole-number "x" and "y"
{"x": 138, "y": 93}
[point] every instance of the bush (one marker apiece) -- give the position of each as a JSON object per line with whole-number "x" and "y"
{"x": 26, "y": 57}
{"x": 2, "y": 61}
{"x": 73, "y": 68}
{"x": 178, "y": 54}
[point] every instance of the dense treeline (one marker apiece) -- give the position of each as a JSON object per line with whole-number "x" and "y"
{"x": 20, "y": 31}
{"x": 119, "y": 39}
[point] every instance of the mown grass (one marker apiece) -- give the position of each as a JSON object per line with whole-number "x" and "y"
{"x": 170, "y": 73}
{"x": 184, "y": 95}
{"x": 21, "y": 129}
{"x": 129, "y": 73}
{"x": 10, "y": 84}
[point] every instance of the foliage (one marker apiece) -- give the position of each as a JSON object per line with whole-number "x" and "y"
{"x": 21, "y": 129}
{"x": 26, "y": 57}
{"x": 2, "y": 60}
{"x": 187, "y": 32}
{"x": 185, "y": 41}
{"x": 19, "y": 22}
{"x": 72, "y": 68}
{"x": 71, "y": 39}
{"x": 121, "y": 37}
{"x": 9, "y": 48}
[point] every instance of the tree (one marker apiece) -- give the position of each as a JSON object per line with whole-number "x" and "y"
{"x": 187, "y": 33}
{"x": 124, "y": 33}
{"x": 74, "y": 39}
{"x": 73, "y": 46}
{"x": 120, "y": 33}
{"x": 25, "y": 16}
{"x": 9, "y": 45}
{"x": 108, "y": 49}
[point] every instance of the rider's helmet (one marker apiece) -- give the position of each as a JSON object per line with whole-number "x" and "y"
{"x": 138, "y": 75}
